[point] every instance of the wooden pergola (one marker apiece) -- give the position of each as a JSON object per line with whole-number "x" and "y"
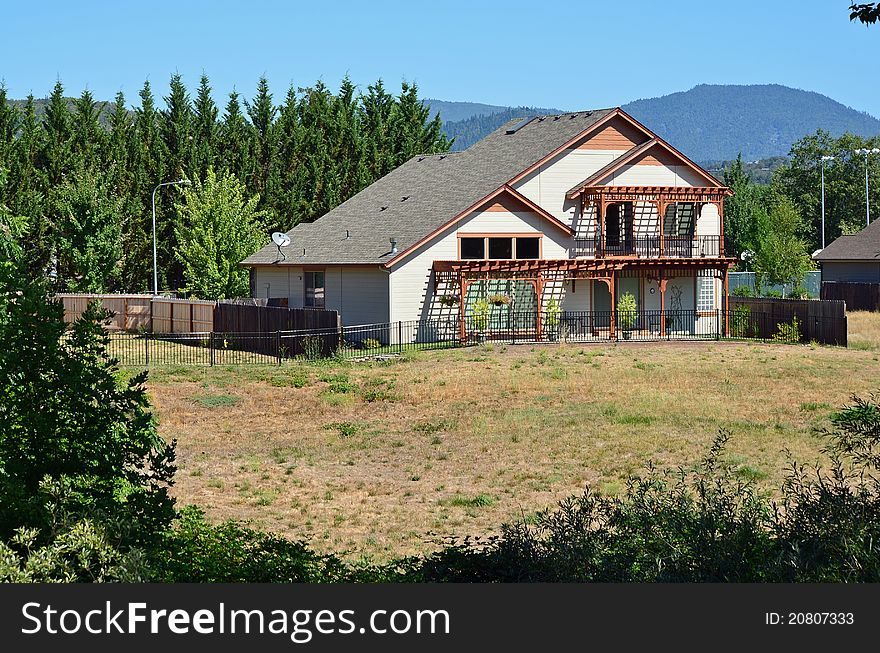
{"x": 538, "y": 272}
{"x": 660, "y": 196}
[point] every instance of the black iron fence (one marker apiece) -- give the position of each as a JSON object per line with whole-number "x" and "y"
{"x": 376, "y": 340}
{"x": 649, "y": 246}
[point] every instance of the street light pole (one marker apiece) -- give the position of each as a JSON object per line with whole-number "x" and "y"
{"x": 866, "y": 152}
{"x": 155, "y": 258}
{"x": 824, "y": 159}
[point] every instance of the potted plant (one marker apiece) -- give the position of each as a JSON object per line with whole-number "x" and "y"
{"x": 498, "y": 300}
{"x": 551, "y": 320}
{"x": 627, "y": 314}
{"x": 480, "y": 318}
{"x": 447, "y": 300}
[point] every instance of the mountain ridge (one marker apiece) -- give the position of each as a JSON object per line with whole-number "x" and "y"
{"x": 709, "y": 122}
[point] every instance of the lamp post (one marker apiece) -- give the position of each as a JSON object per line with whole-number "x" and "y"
{"x": 866, "y": 152}
{"x": 179, "y": 182}
{"x": 824, "y": 159}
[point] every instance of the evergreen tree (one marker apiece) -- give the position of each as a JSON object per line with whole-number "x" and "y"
{"x": 88, "y": 233}
{"x": 205, "y": 131}
{"x": 57, "y": 160}
{"x": 25, "y": 190}
{"x": 235, "y": 140}
{"x": 262, "y": 114}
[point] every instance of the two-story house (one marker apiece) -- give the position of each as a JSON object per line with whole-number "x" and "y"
{"x": 573, "y": 209}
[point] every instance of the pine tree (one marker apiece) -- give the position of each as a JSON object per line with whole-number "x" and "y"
{"x": 25, "y": 190}
{"x": 262, "y": 114}
{"x": 235, "y": 141}
{"x": 88, "y": 136}
{"x": 57, "y": 160}
{"x": 205, "y": 131}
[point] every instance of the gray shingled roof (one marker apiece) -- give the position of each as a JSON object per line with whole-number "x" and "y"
{"x": 863, "y": 246}
{"x": 438, "y": 188}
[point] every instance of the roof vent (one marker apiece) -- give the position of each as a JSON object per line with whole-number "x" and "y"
{"x": 443, "y": 156}
{"x": 572, "y": 116}
{"x": 382, "y": 208}
{"x": 393, "y": 245}
{"x": 522, "y": 123}
{"x": 347, "y": 234}
{"x": 404, "y": 198}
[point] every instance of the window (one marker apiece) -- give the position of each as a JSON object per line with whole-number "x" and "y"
{"x": 705, "y": 293}
{"x": 314, "y": 296}
{"x": 473, "y": 248}
{"x": 500, "y": 248}
{"x": 679, "y": 219}
{"x": 528, "y": 247}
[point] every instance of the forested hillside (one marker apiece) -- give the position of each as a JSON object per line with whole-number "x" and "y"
{"x": 76, "y": 176}
{"x": 711, "y": 122}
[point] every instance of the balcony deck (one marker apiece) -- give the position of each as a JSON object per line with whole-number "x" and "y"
{"x": 650, "y": 247}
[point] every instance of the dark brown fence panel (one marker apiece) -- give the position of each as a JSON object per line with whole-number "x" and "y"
{"x": 819, "y": 320}
{"x": 857, "y": 296}
{"x": 240, "y": 318}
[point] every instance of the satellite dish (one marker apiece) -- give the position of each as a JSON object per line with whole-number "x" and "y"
{"x": 281, "y": 239}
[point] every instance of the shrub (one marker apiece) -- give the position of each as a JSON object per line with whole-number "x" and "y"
{"x": 799, "y": 292}
{"x": 480, "y": 313}
{"x": 372, "y": 343}
{"x": 788, "y": 332}
{"x": 627, "y": 311}
{"x": 553, "y": 312}
{"x": 743, "y": 291}
{"x": 742, "y": 322}
{"x": 773, "y": 294}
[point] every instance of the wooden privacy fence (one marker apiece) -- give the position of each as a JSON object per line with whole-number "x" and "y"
{"x": 166, "y": 315}
{"x": 858, "y": 296}
{"x": 819, "y": 320}
{"x": 130, "y": 312}
{"x": 234, "y": 317}
{"x": 182, "y": 315}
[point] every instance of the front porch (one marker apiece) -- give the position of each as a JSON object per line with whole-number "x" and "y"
{"x": 522, "y": 299}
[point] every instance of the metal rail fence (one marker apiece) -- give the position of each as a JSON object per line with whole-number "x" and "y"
{"x": 394, "y": 338}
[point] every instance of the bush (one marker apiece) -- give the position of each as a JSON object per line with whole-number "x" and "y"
{"x": 197, "y": 552}
{"x": 68, "y": 423}
{"x": 627, "y": 311}
{"x": 741, "y": 326}
{"x": 743, "y": 291}
{"x": 790, "y": 333}
{"x": 773, "y": 294}
{"x": 710, "y": 524}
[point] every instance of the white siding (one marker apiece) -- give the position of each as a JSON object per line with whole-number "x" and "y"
{"x": 363, "y": 295}
{"x": 412, "y": 284}
{"x": 272, "y": 281}
{"x": 708, "y": 222}
{"x": 360, "y": 294}
{"x": 547, "y": 185}
{"x": 653, "y": 175}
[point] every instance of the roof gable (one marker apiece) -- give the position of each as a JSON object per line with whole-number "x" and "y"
{"x": 652, "y": 152}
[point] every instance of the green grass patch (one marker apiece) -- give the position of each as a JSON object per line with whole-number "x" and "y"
{"x": 478, "y": 501}
{"x": 216, "y": 401}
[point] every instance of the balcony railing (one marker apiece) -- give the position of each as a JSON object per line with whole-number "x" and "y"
{"x": 600, "y": 246}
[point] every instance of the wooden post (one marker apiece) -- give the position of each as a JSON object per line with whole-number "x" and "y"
{"x": 600, "y": 207}
{"x": 720, "y": 206}
{"x": 539, "y": 290}
{"x": 661, "y": 212}
{"x": 662, "y": 285}
{"x": 725, "y": 304}
{"x": 611, "y": 287}
{"x": 462, "y": 327}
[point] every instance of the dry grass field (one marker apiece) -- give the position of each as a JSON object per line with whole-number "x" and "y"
{"x": 386, "y": 458}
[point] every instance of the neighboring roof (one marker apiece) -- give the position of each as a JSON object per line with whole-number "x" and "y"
{"x": 863, "y": 246}
{"x": 430, "y": 192}
{"x": 438, "y": 188}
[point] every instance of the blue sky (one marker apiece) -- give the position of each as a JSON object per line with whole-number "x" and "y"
{"x": 563, "y": 54}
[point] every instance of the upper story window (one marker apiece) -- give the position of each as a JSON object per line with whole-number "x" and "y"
{"x": 314, "y": 291}
{"x": 500, "y": 247}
